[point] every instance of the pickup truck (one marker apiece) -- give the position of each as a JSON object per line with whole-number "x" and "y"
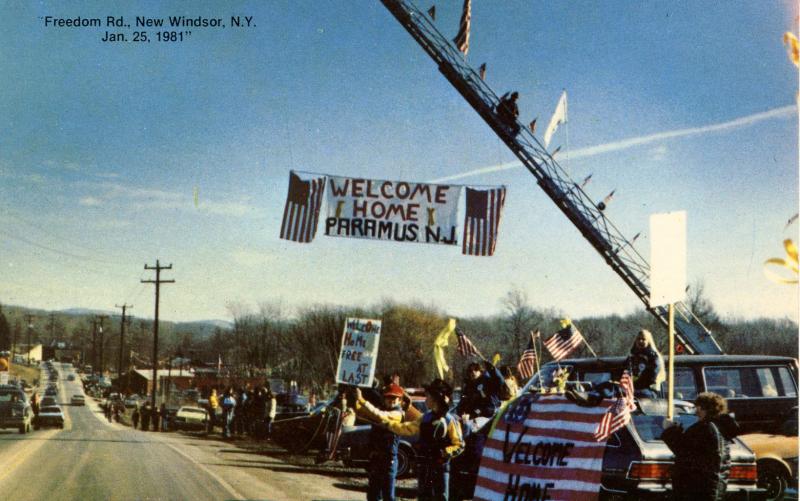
{"x": 15, "y": 409}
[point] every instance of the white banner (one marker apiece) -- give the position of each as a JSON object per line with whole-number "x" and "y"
{"x": 667, "y": 258}
{"x": 359, "y": 353}
{"x": 391, "y": 210}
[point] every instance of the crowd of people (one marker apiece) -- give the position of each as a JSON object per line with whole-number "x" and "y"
{"x": 236, "y": 411}
{"x": 444, "y": 431}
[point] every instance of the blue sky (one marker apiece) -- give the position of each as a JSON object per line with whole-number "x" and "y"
{"x": 687, "y": 106}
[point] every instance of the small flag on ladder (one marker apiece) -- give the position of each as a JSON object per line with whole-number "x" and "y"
{"x": 462, "y": 38}
{"x": 586, "y": 181}
{"x": 432, "y": 12}
{"x": 482, "y": 71}
{"x": 602, "y": 205}
{"x": 532, "y": 126}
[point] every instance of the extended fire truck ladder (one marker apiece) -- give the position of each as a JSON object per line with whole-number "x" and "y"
{"x": 590, "y": 220}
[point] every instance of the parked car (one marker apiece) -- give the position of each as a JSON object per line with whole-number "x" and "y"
{"x": 190, "y": 418}
{"x": 15, "y": 409}
{"x": 636, "y": 463}
{"x": 48, "y": 400}
{"x": 761, "y": 390}
{"x": 77, "y": 400}
{"x": 49, "y": 416}
{"x": 51, "y": 391}
{"x": 776, "y": 457}
{"x": 131, "y": 401}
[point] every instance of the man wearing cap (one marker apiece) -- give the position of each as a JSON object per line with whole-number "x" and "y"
{"x": 383, "y": 443}
{"x": 439, "y": 441}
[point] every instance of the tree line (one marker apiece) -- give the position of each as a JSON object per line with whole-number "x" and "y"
{"x": 272, "y": 339}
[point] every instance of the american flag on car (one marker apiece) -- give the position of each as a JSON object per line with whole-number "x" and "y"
{"x": 543, "y": 447}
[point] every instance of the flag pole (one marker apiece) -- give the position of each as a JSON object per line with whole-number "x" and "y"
{"x": 584, "y": 340}
{"x": 536, "y": 356}
{"x": 671, "y": 371}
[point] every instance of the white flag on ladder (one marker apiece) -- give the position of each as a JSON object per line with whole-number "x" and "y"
{"x": 559, "y": 117}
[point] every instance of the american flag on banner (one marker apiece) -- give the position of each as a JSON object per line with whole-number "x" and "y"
{"x": 532, "y": 424}
{"x": 462, "y": 37}
{"x": 482, "y": 221}
{"x": 301, "y": 213}
{"x": 528, "y": 360}
{"x": 619, "y": 414}
{"x": 465, "y": 346}
{"x": 564, "y": 342}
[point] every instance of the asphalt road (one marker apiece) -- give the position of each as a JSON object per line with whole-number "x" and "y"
{"x": 92, "y": 459}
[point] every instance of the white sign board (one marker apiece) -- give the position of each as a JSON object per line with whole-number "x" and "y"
{"x": 3, "y": 377}
{"x": 667, "y": 258}
{"x": 359, "y": 353}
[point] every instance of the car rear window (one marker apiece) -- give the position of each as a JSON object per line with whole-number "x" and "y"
{"x": 649, "y": 426}
{"x": 789, "y": 388}
{"x": 685, "y": 384}
{"x": 750, "y": 382}
{"x": 50, "y": 410}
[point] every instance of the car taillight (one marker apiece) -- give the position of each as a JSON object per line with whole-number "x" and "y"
{"x": 746, "y": 472}
{"x": 649, "y": 471}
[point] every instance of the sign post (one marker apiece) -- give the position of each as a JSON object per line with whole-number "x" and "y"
{"x": 359, "y": 353}
{"x": 668, "y": 278}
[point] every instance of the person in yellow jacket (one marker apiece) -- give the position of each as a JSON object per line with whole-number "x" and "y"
{"x": 213, "y": 405}
{"x": 440, "y": 440}
{"x": 383, "y": 443}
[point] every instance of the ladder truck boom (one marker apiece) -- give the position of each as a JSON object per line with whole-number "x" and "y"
{"x": 617, "y": 251}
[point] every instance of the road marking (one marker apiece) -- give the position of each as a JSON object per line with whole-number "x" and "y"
{"x": 26, "y": 449}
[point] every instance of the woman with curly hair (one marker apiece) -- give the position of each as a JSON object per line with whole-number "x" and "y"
{"x": 702, "y": 454}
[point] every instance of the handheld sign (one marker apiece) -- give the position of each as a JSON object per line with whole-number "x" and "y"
{"x": 668, "y": 278}
{"x": 359, "y": 352}
{"x": 667, "y": 258}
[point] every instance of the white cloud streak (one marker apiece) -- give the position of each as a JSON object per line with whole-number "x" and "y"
{"x": 624, "y": 144}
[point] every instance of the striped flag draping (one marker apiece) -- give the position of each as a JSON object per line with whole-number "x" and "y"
{"x": 528, "y": 359}
{"x": 619, "y": 414}
{"x": 513, "y": 465}
{"x": 564, "y": 342}
{"x": 301, "y": 214}
{"x": 462, "y": 37}
{"x": 465, "y": 346}
{"x": 482, "y": 221}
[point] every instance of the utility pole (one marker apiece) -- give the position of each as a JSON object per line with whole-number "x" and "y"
{"x": 121, "y": 338}
{"x": 158, "y": 283}
{"x": 102, "y": 319}
{"x": 94, "y": 345}
{"x": 29, "y": 319}
{"x": 52, "y": 326}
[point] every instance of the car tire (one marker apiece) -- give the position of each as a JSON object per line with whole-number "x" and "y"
{"x": 773, "y": 479}
{"x": 405, "y": 457}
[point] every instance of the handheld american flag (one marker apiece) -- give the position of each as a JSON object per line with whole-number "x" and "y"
{"x": 301, "y": 213}
{"x": 465, "y": 346}
{"x": 482, "y": 221}
{"x": 619, "y": 414}
{"x": 564, "y": 342}
{"x": 528, "y": 359}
